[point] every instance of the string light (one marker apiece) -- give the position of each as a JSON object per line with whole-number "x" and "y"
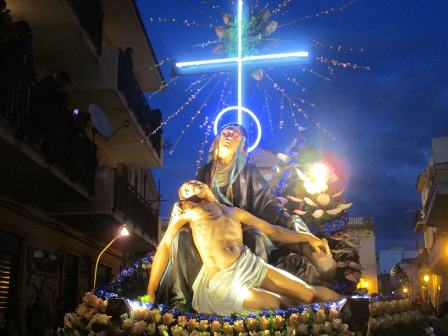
{"x": 186, "y": 22}
{"x": 163, "y": 86}
{"x": 201, "y": 11}
{"x": 162, "y": 62}
{"x": 293, "y": 116}
{"x": 294, "y": 81}
{"x": 281, "y": 121}
{"x": 197, "y": 82}
{"x": 323, "y": 12}
{"x": 206, "y": 44}
{"x": 280, "y": 89}
{"x": 281, "y": 6}
{"x": 333, "y": 62}
{"x": 337, "y": 48}
{"x": 311, "y": 71}
{"x": 266, "y": 106}
{"x": 294, "y": 104}
{"x": 185, "y": 104}
{"x": 193, "y": 118}
{"x": 208, "y": 122}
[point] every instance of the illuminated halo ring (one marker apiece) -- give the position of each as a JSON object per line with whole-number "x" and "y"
{"x": 249, "y": 112}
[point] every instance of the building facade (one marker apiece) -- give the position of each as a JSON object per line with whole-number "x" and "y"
{"x": 365, "y": 230}
{"x": 432, "y": 220}
{"x": 395, "y": 270}
{"x": 75, "y": 157}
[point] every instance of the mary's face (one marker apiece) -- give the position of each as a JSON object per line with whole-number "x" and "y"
{"x": 229, "y": 141}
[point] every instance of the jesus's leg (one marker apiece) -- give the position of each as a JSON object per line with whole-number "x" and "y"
{"x": 285, "y": 284}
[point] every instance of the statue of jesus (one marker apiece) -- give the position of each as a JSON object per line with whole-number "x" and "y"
{"x": 232, "y": 279}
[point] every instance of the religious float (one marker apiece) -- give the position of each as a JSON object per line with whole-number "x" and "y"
{"x": 121, "y": 308}
{"x": 308, "y": 188}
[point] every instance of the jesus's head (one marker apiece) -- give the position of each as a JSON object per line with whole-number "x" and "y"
{"x": 197, "y": 192}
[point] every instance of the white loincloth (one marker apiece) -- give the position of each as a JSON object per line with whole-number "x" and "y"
{"x": 224, "y": 293}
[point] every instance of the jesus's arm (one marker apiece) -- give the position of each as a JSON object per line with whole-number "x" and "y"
{"x": 163, "y": 254}
{"x": 278, "y": 233}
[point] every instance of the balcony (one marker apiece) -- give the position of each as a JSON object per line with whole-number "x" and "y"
{"x": 66, "y": 33}
{"x": 116, "y": 202}
{"x": 129, "y": 87}
{"x": 433, "y": 186}
{"x": 48, "y": 159}
{"x": 436, "y": 206}
{"x": 437, "y": 260}
{"x": 124, "y": 28}
{"x": 112, "y": 86}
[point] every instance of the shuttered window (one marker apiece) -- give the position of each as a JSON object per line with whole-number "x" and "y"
{"x": 70, "y": 279}
{"x": 9, "y": 250}
{"x": 103, "y": 276}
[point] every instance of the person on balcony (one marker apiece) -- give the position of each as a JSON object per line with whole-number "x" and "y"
{"x": 55, "y": 85}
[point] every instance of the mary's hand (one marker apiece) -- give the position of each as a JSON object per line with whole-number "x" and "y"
{"x": 297, "y": 224}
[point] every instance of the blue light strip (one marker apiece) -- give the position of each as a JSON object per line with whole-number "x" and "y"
{"x": 279, "y": 56}
{"x": 240, "y": 60}
{"x": 240, "y": 63}
{"x": 197, "y": 63}
{"x": 243, "y": 59}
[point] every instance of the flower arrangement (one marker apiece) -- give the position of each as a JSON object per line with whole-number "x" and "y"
{"x": 145, "y": 319}
{"x": 388, "y": 316}
{"x": 311, "y": 184}
{"x": 395, "y": 317}
{"x": 254, "y": 30}
{"x": 89, "y": 318}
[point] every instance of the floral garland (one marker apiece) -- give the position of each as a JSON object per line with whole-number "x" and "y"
{"x": 388, "y": 316}
{"x": 396, "y": 317}
{"x": 113, "y": 289}
{"x": 146, "y": 319}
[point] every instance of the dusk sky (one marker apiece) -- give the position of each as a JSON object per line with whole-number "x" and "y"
{"x": 383, "y": 119}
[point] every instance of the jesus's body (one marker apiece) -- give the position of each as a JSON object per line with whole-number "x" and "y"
{"x": 217, "y": 234}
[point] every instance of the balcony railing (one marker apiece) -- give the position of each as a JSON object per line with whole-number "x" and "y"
{"x": 90, "y": 16}
{"x": 129, "y": 87}
{"x": 35, "y": 116}
{"x": 132, "y": 205}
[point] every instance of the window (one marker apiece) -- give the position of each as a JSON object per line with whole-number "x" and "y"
{"x": 103, "y": 275}
{"x": 9, "y": 252}
{"x": 145, "y": 182}
{"x": 70, "y": 279}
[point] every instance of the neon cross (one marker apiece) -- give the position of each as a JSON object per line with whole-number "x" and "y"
{"x": 225, "y": 63}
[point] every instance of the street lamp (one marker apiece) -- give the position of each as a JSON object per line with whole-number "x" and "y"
{"x": 122, "y": 232}
{"x": 363, "y": 283}
{"x": 426, "y": 278}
